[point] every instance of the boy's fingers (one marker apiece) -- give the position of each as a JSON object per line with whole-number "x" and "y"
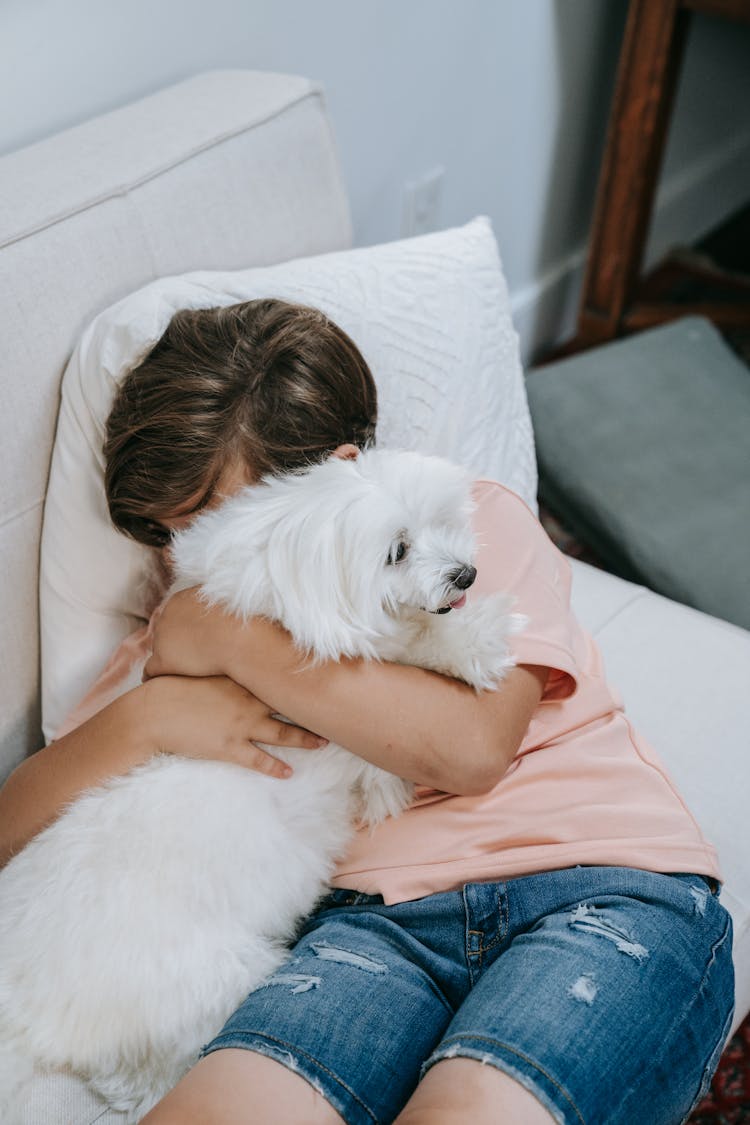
{"x": 278, "y": 732}
{"x": 285, "y": 734}
{"x": 266, "y": 763}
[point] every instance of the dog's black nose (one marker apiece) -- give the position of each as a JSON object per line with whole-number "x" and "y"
{"x": 464, "y": 577}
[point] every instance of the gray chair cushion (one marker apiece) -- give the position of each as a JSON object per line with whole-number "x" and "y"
{"x": 643, "y": 448}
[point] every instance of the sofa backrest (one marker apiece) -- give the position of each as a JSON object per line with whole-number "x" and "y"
{"x": 228, "y": 169}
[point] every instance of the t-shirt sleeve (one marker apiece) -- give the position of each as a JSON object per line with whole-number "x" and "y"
{"x": 517, "y": 556}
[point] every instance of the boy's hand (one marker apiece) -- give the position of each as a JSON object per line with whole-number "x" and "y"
{"x": 214, "y": 718}
{"x": 191, "y": 639}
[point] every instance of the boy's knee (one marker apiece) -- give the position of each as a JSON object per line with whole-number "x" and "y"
{"x": 457, "y": 1090}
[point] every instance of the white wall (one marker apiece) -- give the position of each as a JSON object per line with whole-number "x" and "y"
{"x": 510, "y": 96}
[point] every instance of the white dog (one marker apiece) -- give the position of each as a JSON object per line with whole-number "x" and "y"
{"x": 133, "y": 926}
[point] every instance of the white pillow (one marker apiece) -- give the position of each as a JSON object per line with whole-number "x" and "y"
{"x": 432, "y": 318}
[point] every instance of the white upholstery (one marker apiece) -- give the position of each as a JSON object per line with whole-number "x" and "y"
{"x": 63, "y": 1099}
{"x": 98, "y": 211}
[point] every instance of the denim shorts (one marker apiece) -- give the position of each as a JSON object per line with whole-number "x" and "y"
{"x": 608, "y": 992}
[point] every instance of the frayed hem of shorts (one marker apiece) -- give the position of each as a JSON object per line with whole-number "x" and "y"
{"x": 323, "y": 1081}
{"x": 563, "y": 1111}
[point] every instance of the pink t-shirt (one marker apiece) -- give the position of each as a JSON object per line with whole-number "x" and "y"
{"x": 584, "y": 787}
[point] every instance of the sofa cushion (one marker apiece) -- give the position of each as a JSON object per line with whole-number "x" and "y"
{"x": 431, "y": 316}
{"x": 683, "y": 677}
{"x": 643, "y": 448}
{"x": 64, "y": 1099}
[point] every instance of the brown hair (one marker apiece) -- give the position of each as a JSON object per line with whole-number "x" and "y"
{"x": 277, "y": 385}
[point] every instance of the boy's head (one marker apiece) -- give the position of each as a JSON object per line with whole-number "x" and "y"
{"x": 260, "y": 387}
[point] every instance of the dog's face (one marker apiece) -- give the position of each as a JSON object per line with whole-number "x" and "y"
{"x": 338, "y": 553}
{"x": 429, "y": 562}
{"x": 416, "y": 521}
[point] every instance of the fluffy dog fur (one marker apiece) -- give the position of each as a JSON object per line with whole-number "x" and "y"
{"x": 134, "y": 925}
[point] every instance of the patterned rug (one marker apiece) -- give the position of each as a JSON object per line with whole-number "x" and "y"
{"x": 728, "y": 1102}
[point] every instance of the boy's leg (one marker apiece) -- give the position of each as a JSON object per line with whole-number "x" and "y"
{"x": 620, "y": 996}
{"x": 459, "y": 1090}
{"x": 339, "y": 1032}
{"x": 235, "y": 1087}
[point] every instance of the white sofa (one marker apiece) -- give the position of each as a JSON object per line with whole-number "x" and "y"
{"x": 228, "y": 170}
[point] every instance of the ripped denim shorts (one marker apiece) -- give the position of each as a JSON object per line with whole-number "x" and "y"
{"x": 608, "y": 992}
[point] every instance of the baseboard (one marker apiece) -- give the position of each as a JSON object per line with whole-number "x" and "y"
{"x": 688, "y": 204}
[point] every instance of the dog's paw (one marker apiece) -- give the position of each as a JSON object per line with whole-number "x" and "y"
{"x": 381, "y": 794}
{"x": 474, "y": 644}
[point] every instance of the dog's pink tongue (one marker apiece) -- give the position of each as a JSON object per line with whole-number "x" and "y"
{"x": 459, "y": 602}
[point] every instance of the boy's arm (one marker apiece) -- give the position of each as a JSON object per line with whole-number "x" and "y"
{"x": 418, "y": 724}
{"x": 209, "y": 717}
{"x": 111, "y": 742}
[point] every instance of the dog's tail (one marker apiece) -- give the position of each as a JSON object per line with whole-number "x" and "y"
{"x": 16, "y": 1074}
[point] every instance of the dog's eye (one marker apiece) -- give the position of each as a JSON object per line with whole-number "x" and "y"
{"x": 398, "y": 554}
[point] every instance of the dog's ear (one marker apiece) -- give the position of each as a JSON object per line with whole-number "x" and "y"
{"x": 326, "y": 592}
{"x": 224, "y": 551}
{"x": 286, "y": 550}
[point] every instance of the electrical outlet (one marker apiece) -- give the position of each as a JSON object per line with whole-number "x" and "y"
{"x": 422, "y": 203}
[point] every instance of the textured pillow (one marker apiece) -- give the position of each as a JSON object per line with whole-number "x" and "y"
{"x": 431, "y": 316}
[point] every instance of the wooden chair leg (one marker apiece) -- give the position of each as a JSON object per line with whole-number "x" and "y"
{"x": 650, "y": 58}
